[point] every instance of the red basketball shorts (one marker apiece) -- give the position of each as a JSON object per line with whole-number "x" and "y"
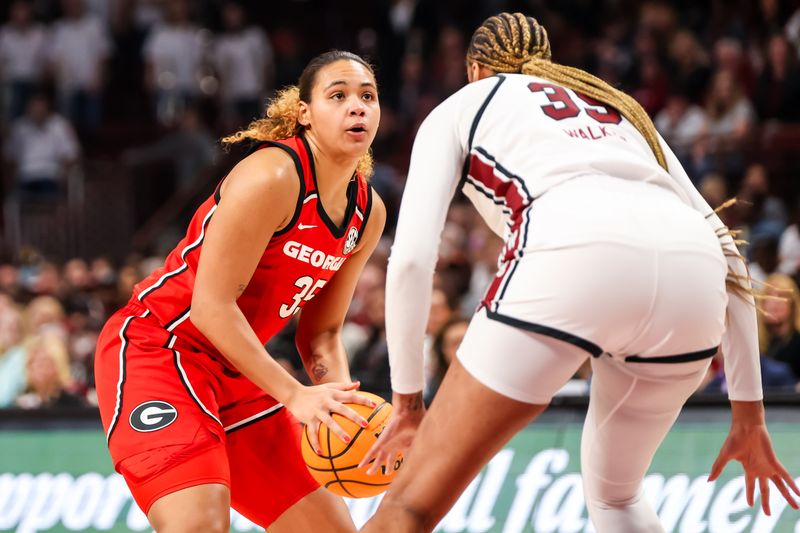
{"x": 177, "y": 418}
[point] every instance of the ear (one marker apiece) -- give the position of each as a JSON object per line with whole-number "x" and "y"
{"x": 476, "y": 72}
{"x": 304, "y": 114}
{"x": 473, "y": 69}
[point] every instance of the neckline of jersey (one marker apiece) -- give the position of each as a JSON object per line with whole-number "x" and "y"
{"x": 352, "y": 197}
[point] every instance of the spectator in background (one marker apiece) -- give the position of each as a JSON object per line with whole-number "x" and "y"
{"x": 689, "y": 65}
{"x": 45, "y": 314}
{"x": 79, "y": 49}
{"x": 12, "y": 361}
{"x": 789, "y": 246}
{"x": 681, "y": 123}
{"x": 9, "y": 280}
{"x": 729, "y": 56}
{"x": 730, "y": 120}
{"x": 190, "y": 148}
{"x": 244, "y": 62}
{"x": 778, "y": 87}
{"x": 652, "y": 85}
{"x": 763, "y": 251}
{"x": 444, "y": 306}
{"x": 444, "y": 349}
{"x": 42, "y": 150}
{"x": 174, "y": 54}
{"x": 447, "y": 70}
{"x": 370, "y": 363}
{"x": 779, "y": 335}
{"x": 22, "y": 46}
{"x": 47, "y": 375}
{"x": 768, "y": 212}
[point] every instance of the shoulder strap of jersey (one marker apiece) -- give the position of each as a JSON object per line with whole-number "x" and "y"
{"x": 363, "y": 203}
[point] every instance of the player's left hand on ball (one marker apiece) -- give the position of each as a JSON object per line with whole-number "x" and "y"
{"x": 316, "y": 404}
{"x": 397, "y": 436}
{"x": 751, "y": 446}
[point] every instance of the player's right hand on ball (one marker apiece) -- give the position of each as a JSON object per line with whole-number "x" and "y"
{"x": 396, "y": 438}
{"x": 315, "y": 405}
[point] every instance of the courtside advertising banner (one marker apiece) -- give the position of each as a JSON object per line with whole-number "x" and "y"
{"x": 62, "y": 480}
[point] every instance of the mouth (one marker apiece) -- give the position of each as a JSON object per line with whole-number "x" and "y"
{"x": 358, "y": 128}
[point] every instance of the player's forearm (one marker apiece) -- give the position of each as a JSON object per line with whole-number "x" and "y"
{"x": 324, "y": 357}
{"x": 228, "y": 330}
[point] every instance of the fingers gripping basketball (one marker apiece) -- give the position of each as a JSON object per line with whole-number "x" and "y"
{"x": 336, "y": 468}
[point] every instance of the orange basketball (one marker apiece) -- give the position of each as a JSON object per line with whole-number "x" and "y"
{"x": 336, "y": 468}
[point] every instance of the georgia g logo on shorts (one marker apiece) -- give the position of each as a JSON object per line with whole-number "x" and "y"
{"x": 350, "y": 243}
{"x": 152, "y": 416}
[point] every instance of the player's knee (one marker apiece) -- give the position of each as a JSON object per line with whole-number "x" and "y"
{"x": 612, "y": 500}
{"x": 413, "y": 517}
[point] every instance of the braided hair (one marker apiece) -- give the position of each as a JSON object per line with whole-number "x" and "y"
{"x": 512, "y": 42}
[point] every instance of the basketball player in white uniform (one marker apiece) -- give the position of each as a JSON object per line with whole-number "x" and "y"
{"x": 610, "y": 254}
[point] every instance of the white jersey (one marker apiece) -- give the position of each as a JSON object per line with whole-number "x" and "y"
{"x": 504, "y": 141}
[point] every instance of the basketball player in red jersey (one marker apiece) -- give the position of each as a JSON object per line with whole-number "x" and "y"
{"x": 198, "y": 417}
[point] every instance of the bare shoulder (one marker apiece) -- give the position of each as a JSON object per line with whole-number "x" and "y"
{"x": 378, "y": 210}
{"x": 269, "y": 170}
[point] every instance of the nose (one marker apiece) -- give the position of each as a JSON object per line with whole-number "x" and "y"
{"x": 357, "y": 107}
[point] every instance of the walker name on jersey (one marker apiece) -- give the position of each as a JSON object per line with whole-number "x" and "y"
{"x": 309, "y": 255}
{"x": 594, "y": 133}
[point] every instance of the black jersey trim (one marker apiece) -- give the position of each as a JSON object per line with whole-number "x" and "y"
{"x": 185, "y": 265}
{"x": 352, "y": 197}
{"x": 298, "y": 165}
{"x": 123, "y": 372}
{"x": 258, "y": 417}
{"x": 474, "y": 127}
{"x": 367, "y": 211}
{"x": 681, "y": 358}
{"x": 169, "y": 326}
{"x": 589, "y": 346}
{"x": 176, "y": 359}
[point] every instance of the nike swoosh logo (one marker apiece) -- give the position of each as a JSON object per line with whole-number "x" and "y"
{"x": 305, "y": 226}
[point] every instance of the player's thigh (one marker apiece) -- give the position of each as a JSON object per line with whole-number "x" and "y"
{"x": 631, "y": 408}
{"x": 269, "y": 479}
{"x": 201, "y": 508}
{"x": 320, "y": 511}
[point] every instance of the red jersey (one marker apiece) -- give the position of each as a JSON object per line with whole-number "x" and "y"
{"x": 296, "y": 264}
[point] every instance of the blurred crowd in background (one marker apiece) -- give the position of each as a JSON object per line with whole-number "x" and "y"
{"x": 130, "y": 97}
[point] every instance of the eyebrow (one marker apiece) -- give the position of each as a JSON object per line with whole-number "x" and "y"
{"x": 342, "y": 82}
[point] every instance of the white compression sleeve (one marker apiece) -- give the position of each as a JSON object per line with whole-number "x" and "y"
{"x": 433, "y": 175}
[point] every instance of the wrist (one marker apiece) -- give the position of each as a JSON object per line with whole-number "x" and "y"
{"x": 747, "y": 413}
{"x": 290, "y": 392}
{"x": 408, "y": 404}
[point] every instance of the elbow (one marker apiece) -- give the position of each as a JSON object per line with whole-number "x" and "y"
{"x": 411, "y": 265}
{"x": 202, "y": 314}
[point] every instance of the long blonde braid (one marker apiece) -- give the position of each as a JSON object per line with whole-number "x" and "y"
{"x": 512, "y": 42}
